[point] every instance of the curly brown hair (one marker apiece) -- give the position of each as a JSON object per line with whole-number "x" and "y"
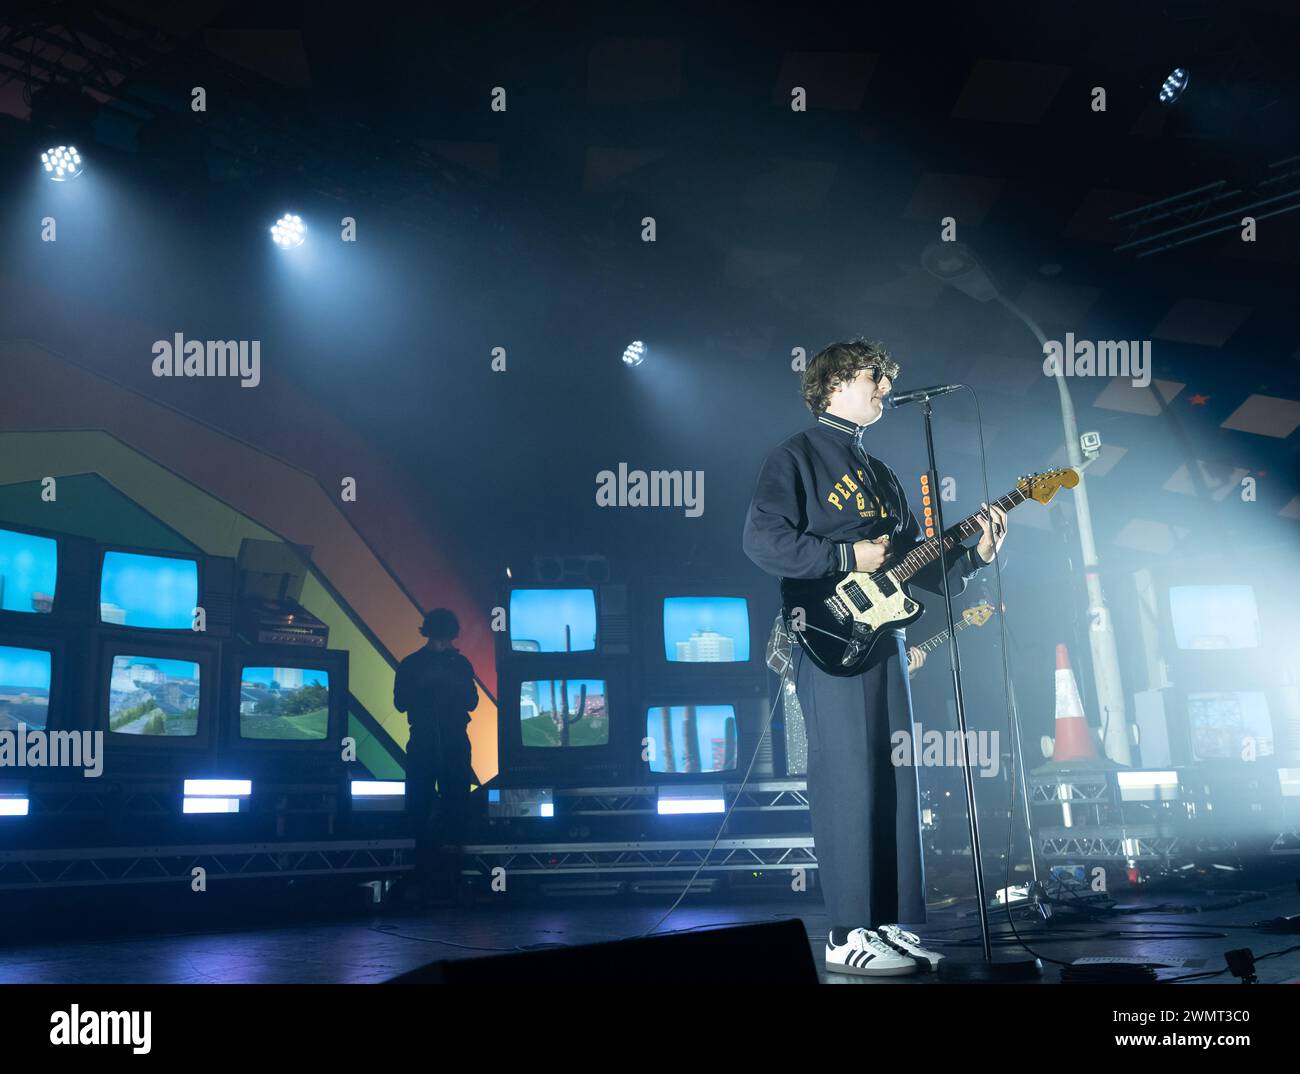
{"x": 839, "y": 363}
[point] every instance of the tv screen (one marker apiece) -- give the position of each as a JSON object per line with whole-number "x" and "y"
{"x": 691, "y": 738}
{"x": 563, "y": 712}
{"x": 1222, "y": 722}
{"x": 553, "y": 620}
{"x": 706, "y": 630}
{"x": 150, "y": 592}
{"x": 148, "y": 695}
{"x": 29, "y": 571}
{"x": 287, "y": 704}
{"x": 24, "y": 687}
{"x": 1214, "y": 616}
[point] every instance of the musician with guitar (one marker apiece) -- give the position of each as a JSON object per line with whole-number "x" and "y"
{"x": 834, "y": 524}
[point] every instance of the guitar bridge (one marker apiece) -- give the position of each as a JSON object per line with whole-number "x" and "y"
{"x": 838, "y": 608}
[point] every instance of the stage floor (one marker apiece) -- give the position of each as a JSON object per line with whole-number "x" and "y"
{"x": 367, "y": 948}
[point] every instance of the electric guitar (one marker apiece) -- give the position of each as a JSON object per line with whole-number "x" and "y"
{"x": 839, "y": 619}
{"x": 977, "y": 615}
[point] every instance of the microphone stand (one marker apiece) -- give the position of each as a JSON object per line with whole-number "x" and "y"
{"x": 990, "y": 969}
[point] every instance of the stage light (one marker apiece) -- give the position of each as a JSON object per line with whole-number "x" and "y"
{"x": 61, "y": 163}
{"x": 675, "y": 801}
{"x": 634, "y": 353}
{"x": 1174, "y": 85}
{"x": 289, "y": 231}
{"x": 1148, "y": 786}
{"x": 378, "y": 795}
{"x": 211, "y": 805}
{"x": 13, "y": 798}
{"x": 218, "y": 788}
{"x": 377, "y": 788}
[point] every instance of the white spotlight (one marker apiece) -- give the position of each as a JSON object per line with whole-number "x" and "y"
{"x": 289, "y": 231}
{"x": 1174, "y": 85}
{"x": 634, "y": 353}
{"x": 61, "y": 163}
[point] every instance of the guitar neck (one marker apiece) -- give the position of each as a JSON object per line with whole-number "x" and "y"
{"x": 930, "y": 644}
{"x": 927, "y": 552}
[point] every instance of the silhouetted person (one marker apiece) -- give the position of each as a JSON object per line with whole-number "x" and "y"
{"x": 435, "y": 688}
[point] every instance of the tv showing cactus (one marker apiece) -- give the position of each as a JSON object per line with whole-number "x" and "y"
{"x": 706, "y": 630}
{"x": 563, "y": 712}
{"x": 687, "y": 739}
{"x": 553, "y": 620}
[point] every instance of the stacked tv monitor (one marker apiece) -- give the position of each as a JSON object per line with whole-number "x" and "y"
{"x": 157, "y": 676}
{"x": 36, "y": 660}
{"x": 702, "y": 698}
{"x": 677, "y": 703}
{"x": 563, "y": 691}
{"x": 1220, "y": 663}
{"x": 103, "y": 638}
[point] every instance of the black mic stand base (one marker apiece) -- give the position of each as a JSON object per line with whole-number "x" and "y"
{"x": 997, "y": 970}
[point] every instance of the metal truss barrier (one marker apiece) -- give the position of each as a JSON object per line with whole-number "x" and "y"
{"x": 761, "y": 796}
{"x": 100, "y": 866}
{"x": 575, "y": 859}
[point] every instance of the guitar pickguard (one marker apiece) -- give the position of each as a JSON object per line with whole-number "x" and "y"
{"x": 877, "y": 601}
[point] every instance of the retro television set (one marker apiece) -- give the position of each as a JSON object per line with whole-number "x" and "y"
{"x": 285, "y": 699}
{"x": 147, "y": 589}
{"x": 31, "y": 569}
{"x": 1214, "y": 617}
{"x": 703, "y": 632}
{"x": 156, "y": 694}
{"x": 566, "y": 727}
{"x": 565, "y": 620}
{"x": 702, "y": 736}
{"x": 34, "y": 671}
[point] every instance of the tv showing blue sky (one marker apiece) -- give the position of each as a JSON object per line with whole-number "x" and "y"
{"x": 29, "y": 571}
{"x": 1214, "y": 616}
{"x": 152, "y": 592}
{"x": 286, "y": 704}
{"x": 685, "y": 739}
{"x": 24, "y": 687}
{"x": 150, "y": 695}
{"x": 706, "y": 630}
{"x": 538, "y": 618}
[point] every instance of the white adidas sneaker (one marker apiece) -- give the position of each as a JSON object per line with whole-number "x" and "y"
{"x": 866, "y": 954}
{"x": 909, "y": 943}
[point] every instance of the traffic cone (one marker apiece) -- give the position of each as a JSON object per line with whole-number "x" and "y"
{"x": 1074, "y": 740}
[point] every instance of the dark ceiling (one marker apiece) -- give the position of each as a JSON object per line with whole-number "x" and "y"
{"x": 776, "y": 229}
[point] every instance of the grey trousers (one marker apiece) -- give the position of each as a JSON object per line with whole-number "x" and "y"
{"x": 866, "y": 812}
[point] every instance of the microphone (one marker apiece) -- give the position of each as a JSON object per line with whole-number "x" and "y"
{"x": 894, "y": 399}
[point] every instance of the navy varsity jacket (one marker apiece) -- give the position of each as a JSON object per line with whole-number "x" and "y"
{"x": 818, "y": 492}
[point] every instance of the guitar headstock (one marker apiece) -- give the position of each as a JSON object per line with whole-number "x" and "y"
{"x": 979, "y": 614}
{"x": 1042, "y": 487}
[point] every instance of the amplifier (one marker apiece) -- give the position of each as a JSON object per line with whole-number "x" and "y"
{"x": 281, "y": 622}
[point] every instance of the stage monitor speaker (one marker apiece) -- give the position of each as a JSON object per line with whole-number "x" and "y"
{"x": 774, "y": 954}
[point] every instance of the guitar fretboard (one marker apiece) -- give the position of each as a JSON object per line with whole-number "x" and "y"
{"x": 930, "y": 644}
{"x": 927, "y": 552}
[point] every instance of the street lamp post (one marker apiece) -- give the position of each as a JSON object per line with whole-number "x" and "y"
{"x": 956, "y": 264}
